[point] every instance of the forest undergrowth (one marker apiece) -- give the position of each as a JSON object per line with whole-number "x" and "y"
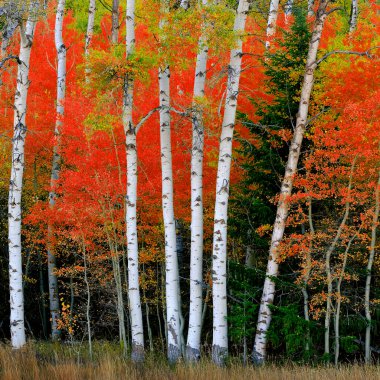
{"x": 47, "y": 361}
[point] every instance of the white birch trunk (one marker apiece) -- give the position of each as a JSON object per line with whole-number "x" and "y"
{"x": 219, "y": 263}
{"x": 17, "y": 324}
{"x": 329, "y": 278}
{"x": 172, "y": 279}
{"x": 272, "y": 21}
{"x": 265, "y": 314}
{"x": 339, "y": 300}
{"x": 306, "y": 277}
{"x": 310, "y": 5}
{"x": 196, "y": 256}
{"x": 115, "y": 22}
{"x": 61, "y": 93}
{"x": 288, "y": 9}
{"x": 171, "y": 261}
{"x": 367, "y": 305}
{"x": 354, "y": 15}
{"x": 131, "y": 216}
{"x": 90, "y": 26}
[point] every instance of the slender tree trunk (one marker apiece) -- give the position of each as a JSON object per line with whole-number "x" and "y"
{"x": 306, "y": 277}
{"x": 115, "y": 22}
{"x": 265, "y": 314}
{"x": 172, "y": 279}
{"x": 17, "y": 324}
{"x": 272, "y": 21}
{"x": 131, "y": 215}
{"x": 42, "y": 295}
{"x": 55, "y": 171}
{"x": 310, "y": 5}
{"x": 196, "y": 256}
{"x": 339, "y": 299}
{"x": 329, "y": 252}
{"x": 367, "y": 305}
{"x": 119, "y": 292}
{"x": 171, "y": 260}
{"x": 219, "y": 269}
{"x": 88, "y": 304}
{"x": 90, "y": 27}
{"x": 354, "y": 15}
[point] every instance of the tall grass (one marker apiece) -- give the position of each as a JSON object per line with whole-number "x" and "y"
{"x": 51, "y": 362}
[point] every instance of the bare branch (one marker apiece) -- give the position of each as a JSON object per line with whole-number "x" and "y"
{"x": 145, "y": 118}
{"x": 360, "y": 53}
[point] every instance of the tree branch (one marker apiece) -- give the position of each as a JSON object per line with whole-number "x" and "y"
{"x": 361, "y": 53}
{"x": 145, "y": 118}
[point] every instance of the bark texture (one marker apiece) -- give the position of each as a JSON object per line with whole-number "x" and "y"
{"x": 367, "y": 293}
{"x": 131, "y": 200}
{"x": 265, "y": 314}
{"x": 272, "y": 21}
{"x": 219, "y": 262}
{"x": 196, "y": 255}
{"x": 17, "y": 322}
{"x": 56, "y": 165}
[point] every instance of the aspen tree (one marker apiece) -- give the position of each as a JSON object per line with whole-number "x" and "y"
{"x": 329, "y": 252}
{"x": 367, "y": 305}
{"x": 265, "y": 314}
{"x": 219, "y": 267}
{"x": 90, "y": 26}
{"x": 131, "y": 200}
{"x": 272, "y": 20}
{"x": 115, "y": 22}
{"x": 196, "y": 256}
{"x": 354, "y": 15}
{"x": 171, "y": 260}
{"x": 56, "y": 165}
{"x": 17, "y": 324}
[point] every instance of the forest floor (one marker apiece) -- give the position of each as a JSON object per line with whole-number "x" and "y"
{"x": 43, "y": 361}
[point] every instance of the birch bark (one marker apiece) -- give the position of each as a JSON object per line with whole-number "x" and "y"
{"x": 172, "y": 279}
{"x": 354, "y": 15}
{"x": 196, "y": 255}
{"x": 265, "y": 314}
{"x": 367, "y": 305}
{"x": 90, "y": 26}
{"x": 171, "y": 260}
{"x": 55, "y": 170}
{"x": 219, "y": 267}
{"x": 115, "y": 22}
{"x": 131, "y": 200}
{"x": 339, "y": 299}
{"x": 272, "y": 20}
{"x": 329, "y": 278}
{"x": 17, "y": 324}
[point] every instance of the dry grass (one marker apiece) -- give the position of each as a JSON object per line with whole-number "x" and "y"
{"x": 56, "y": 363}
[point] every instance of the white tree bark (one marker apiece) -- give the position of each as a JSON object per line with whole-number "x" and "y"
{"x": 310, "y": 5}
{"x": 219, "y": 267}
{"x": 196, "y": 255}
{"x": 367, "y": 305}
{"x": 329, "y": 278}
{"x": 288, "y": 9}
{"x": 60, "y": 111}
{"x": 115, "y": 22}
{"x": 265, "y": 314}
{"x": 131, "y": 217}
{"x": 171, "y": 260}
{"x": 172, "y": 279}
{"x": 272, "y": 21}
{"x": 15, "y": 186}
{"x": 339, "y": 299}
{"x": 90, "y": 26}
{"x": 354, "y": 15}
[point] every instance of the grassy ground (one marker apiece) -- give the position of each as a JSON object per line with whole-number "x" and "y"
{"x": 50, "y": 362}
